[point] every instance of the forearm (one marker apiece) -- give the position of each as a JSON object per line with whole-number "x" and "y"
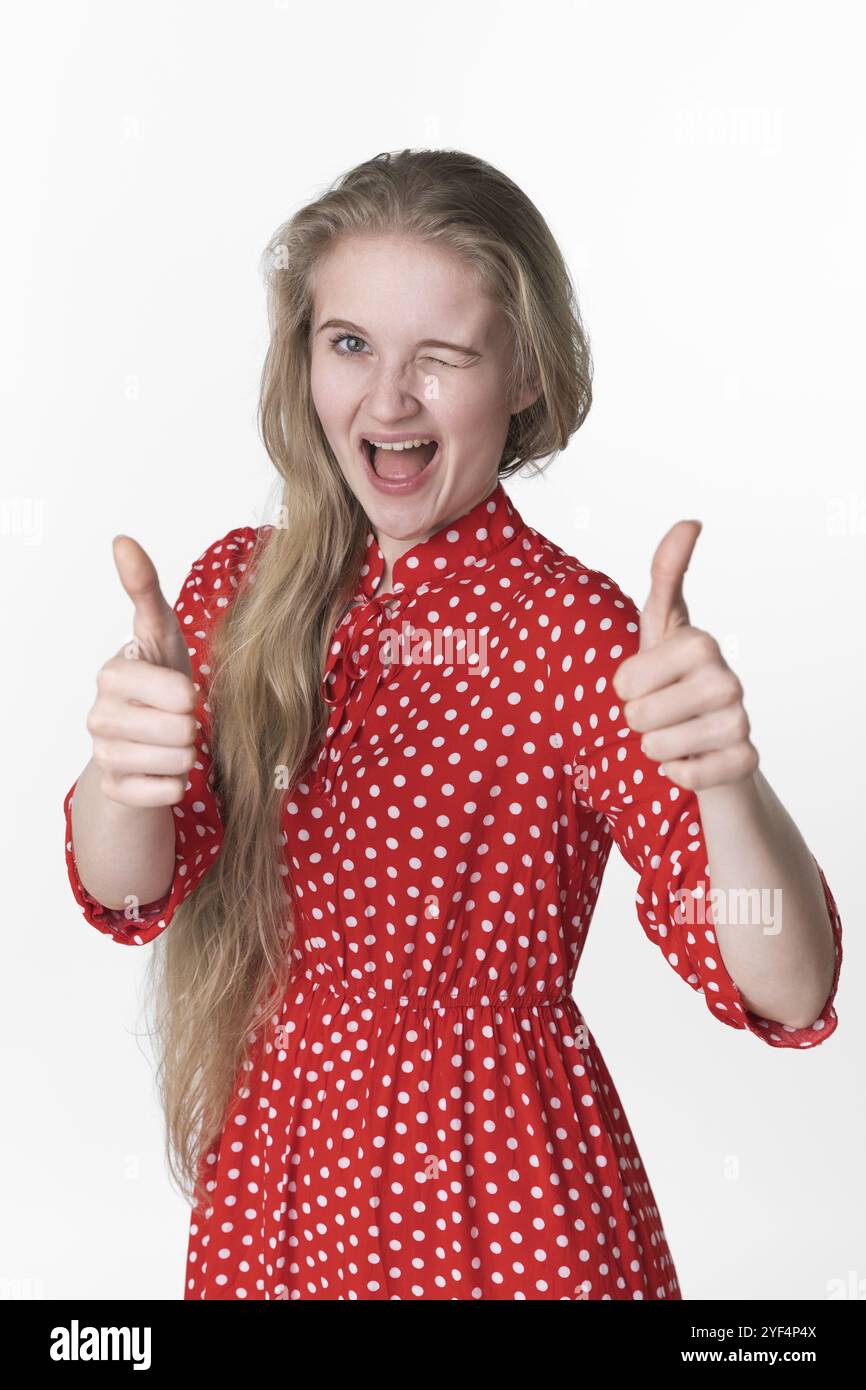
{"x": 121, "y": 852}
{"x": 783, "y": 965}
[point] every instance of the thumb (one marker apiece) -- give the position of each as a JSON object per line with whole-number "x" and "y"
{"x": 155, "y": 624}
{"x": 140, "y": 580}
{"x": 665, "y": 608}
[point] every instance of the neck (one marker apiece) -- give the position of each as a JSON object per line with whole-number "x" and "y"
{"x": 392, "y": 550}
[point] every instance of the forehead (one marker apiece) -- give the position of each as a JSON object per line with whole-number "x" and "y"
{"x": 396, "y": 284}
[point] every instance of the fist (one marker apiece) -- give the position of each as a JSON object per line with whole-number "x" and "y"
{"x": 143, "y": 718}
{"x": 677, "y": 689}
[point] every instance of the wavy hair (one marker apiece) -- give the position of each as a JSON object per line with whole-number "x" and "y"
{"x": 224, "y": 963}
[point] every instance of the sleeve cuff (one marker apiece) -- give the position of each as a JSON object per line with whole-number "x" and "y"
{"x": 725, "y": 1001}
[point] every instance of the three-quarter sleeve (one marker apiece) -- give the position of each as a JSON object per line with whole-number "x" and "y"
{"x": 198, "y": 823}
{"x": 655, "y": 823}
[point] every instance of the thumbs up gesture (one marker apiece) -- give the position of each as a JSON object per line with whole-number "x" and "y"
{"x": 678, "y": 690}
{"x": 142, "y": 721}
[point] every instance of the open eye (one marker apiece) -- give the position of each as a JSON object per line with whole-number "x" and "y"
{"x": 341, "y": 338}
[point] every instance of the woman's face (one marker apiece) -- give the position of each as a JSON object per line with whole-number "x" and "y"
{"x": 402, "y": 344}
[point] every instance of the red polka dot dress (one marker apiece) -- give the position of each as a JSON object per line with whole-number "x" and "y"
{"x": 428, "y": 1115}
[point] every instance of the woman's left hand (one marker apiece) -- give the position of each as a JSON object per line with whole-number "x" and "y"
{"x": 677, "y": 687}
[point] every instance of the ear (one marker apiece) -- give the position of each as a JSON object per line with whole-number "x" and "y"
{"x": 529, "y": 397}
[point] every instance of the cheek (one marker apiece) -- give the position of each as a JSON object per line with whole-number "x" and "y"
{"x": 457, "y": 402}
{"x": 471, "y": 414}
{"x": 327, "y": 389}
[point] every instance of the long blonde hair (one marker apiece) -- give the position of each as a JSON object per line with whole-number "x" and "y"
{"x": 224, "y": 962}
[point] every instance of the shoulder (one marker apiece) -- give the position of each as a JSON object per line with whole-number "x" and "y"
{"x": 215, "y": 576}
{"x": 577, "y": 602}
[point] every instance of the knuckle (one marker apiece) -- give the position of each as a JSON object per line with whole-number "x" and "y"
{"x": 102, "y": 752}
{"x": 722, "y": 685}
{"x": 732, "y": 685}
{"x": 106, "y": 677}
{"x": 751, "y": 758}
{"x": 704, "y": 645}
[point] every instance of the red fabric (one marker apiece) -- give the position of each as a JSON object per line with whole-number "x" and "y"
{"x": 428, "y": 1116}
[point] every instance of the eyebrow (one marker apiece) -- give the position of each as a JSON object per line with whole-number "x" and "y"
{"x": 425, "y": 342}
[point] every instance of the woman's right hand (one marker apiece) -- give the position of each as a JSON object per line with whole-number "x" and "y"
{"x": 142, "y": 720}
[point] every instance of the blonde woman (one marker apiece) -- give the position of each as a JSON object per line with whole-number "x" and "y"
{"x": 361, "y": 783}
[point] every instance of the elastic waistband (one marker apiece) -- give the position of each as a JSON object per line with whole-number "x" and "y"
{"x": 300, "y": 989}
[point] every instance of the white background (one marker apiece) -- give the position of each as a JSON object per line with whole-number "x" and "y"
{"x": 702, "y": 169}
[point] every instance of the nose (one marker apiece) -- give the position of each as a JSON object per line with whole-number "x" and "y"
{"x": 393, "y": 394}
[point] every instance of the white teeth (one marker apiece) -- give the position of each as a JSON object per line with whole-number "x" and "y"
{"x": 407, "y": 444}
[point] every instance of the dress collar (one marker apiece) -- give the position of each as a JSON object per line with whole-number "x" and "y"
{"x": 461, "y": 545}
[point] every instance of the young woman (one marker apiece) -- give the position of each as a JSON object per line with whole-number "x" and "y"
{"x": 363, "y": 779}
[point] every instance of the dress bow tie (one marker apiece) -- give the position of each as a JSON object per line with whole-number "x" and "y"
{"x": 353, "y": 673}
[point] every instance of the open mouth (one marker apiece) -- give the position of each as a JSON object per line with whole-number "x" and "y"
{"x": 397, "y": 463}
